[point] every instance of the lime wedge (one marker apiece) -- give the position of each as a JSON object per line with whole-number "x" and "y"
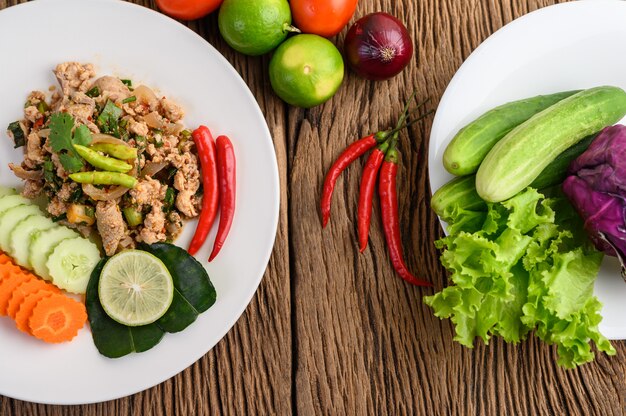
{"x": 135, "y": 288}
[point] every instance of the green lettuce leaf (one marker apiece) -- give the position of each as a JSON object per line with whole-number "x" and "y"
{"x": 529, "y": 268}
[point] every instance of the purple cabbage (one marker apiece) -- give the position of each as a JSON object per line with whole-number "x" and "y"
{"x": 597, "y": 189}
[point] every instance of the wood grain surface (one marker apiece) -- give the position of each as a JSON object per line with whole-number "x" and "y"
{"x": 334, "y": 332}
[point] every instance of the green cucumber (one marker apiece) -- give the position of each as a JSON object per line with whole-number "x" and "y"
{"x": 10, "y": 201}
{"x": 21, "y": 237}
{"x": 12, "y": 216}
{"x": 71, "y": 262}
{"x": 43, "y": 243}
{"x": 516, "y": 160}
{"x": 471, "y": 144}
{"x": 5, "y": 190}
{"x": 461, "y": 191}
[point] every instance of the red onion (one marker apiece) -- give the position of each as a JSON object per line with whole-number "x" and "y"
{"x": 378, "y": 46}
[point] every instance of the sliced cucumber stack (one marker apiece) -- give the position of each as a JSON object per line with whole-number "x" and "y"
{"x": 10, "y": 201}
{"x": 71, "y": 262}
{"x": 21, "y": 236}
{"x": 42, "y": 245}
{"x": 54, "y": 252}
{"x": 11, "y": 217}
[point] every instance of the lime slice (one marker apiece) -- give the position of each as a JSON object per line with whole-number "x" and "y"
{"x": 135, "y": 288}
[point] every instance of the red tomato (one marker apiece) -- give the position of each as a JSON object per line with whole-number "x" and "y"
{"x": 188, "y": 9}
{"x": 322, "y": 17}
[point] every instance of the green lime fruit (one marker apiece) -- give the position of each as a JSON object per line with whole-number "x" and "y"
{"x": 306, "y": 70}
{"x": 135, "y": 288}
{"x": 254, "y": 27}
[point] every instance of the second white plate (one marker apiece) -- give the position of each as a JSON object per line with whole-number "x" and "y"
{"x": 569, "y": 46}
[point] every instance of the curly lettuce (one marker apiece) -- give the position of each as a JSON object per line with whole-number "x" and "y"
{"x": 528, "y": 268}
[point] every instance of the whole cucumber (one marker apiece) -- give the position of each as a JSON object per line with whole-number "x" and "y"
{"x": 461, "y": 191}
{"x": 471, "y": 144}
{"x": 520, "y": 156}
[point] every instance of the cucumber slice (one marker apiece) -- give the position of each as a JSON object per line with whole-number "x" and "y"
{"x": 10, "y": 201}
{"x": 43, "y": 243}
{"x": 12, "y": 216}
{"x": 20, "y": 237}
{"x": 5, "y": 190}
{"x": 71, "y": 262}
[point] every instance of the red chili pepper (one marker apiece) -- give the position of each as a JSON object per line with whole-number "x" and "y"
{"x": 226, "y": 175}
{"x": 368, "y": 183}
{"x": 389, "y": 212}
{"x": 38, "y": 123}
{"x": 206, "y": 152}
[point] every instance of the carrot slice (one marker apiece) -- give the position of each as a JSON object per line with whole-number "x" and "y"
{"x": 8, "y": 285}
{"x": 7, "y": 269}
{"x": 26, "y": 288}
{"x": 4, "y": 258}
{"x": 26, "y": 309}
{"x": 57, "y": 318}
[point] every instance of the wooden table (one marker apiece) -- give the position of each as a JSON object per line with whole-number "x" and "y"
{"x": 332, "y": 331}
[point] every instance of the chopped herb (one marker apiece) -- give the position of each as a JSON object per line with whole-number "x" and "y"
{"x": 82, "y": 135}
{"x": 59, "y": 217}
{"x": 61, "y": 125}
{"x": 90, "y": 212}
{"x": 15, "y": 130}
{"x": 140, "y": 139}
{"x": 42, "y": 107}
{"x": 49, "y": 176}
{"x": 127, "y": 82}
{"x": 168, "y": 201}
{"x": 27, "y": 104}
{"x": 123, "y": 122}
{"x": 94, "y": 92}
{"x": 76, "y": 195}
{"x": 186, "y": 134}
{"x": 157, "y": 131}
{"x": 158, "y": 143}
{"x": 129, "y": 99}
{"x": 108, "y": 120}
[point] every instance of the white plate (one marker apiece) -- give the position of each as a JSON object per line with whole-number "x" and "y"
{"x": 137, "y": 43}
{"x": 563, "y": 47}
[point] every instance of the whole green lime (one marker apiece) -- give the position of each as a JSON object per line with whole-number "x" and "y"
{"x": 306, "y": 70}
{"x": 254, "y": 27}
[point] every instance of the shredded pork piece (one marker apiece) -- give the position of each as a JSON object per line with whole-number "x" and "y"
{"x": 73, "y": 76}
{"x": 111, "y": 225}
{"x": 153, "y": 229}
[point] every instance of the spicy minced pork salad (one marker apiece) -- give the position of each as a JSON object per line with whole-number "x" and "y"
{"x": 109, "y": 158}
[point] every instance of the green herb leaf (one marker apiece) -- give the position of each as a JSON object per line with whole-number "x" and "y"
{"x": 108, "y": 120}
{"x": 129, "y": 99}
{"x": 16, "y": 131}
{"x": 82, "y": 135}
{"x": 71, "y": 163}
{"x": 94, "y": 92}
{"x": 61, "y": 125}
{"x": 127, "y": 82}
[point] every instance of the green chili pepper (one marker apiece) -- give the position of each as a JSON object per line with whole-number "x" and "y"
{"x": 102, "y": 162}
{"x": 42, "y": 107}
{"x": 116, "y": 150}
{"x": 133, "y": 216}
{"x": 104, "y": 178}
{"x": 129, "y": 99}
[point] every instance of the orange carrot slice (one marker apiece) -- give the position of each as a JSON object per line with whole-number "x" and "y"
{"x": 8, "y": 285}
{"x": 7, "y": 269}
{"x": 26, "y": 309}
{"x": 30, "y": 286}
{"x": 4, "y": 258}
{"x": 57, "y": 318}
